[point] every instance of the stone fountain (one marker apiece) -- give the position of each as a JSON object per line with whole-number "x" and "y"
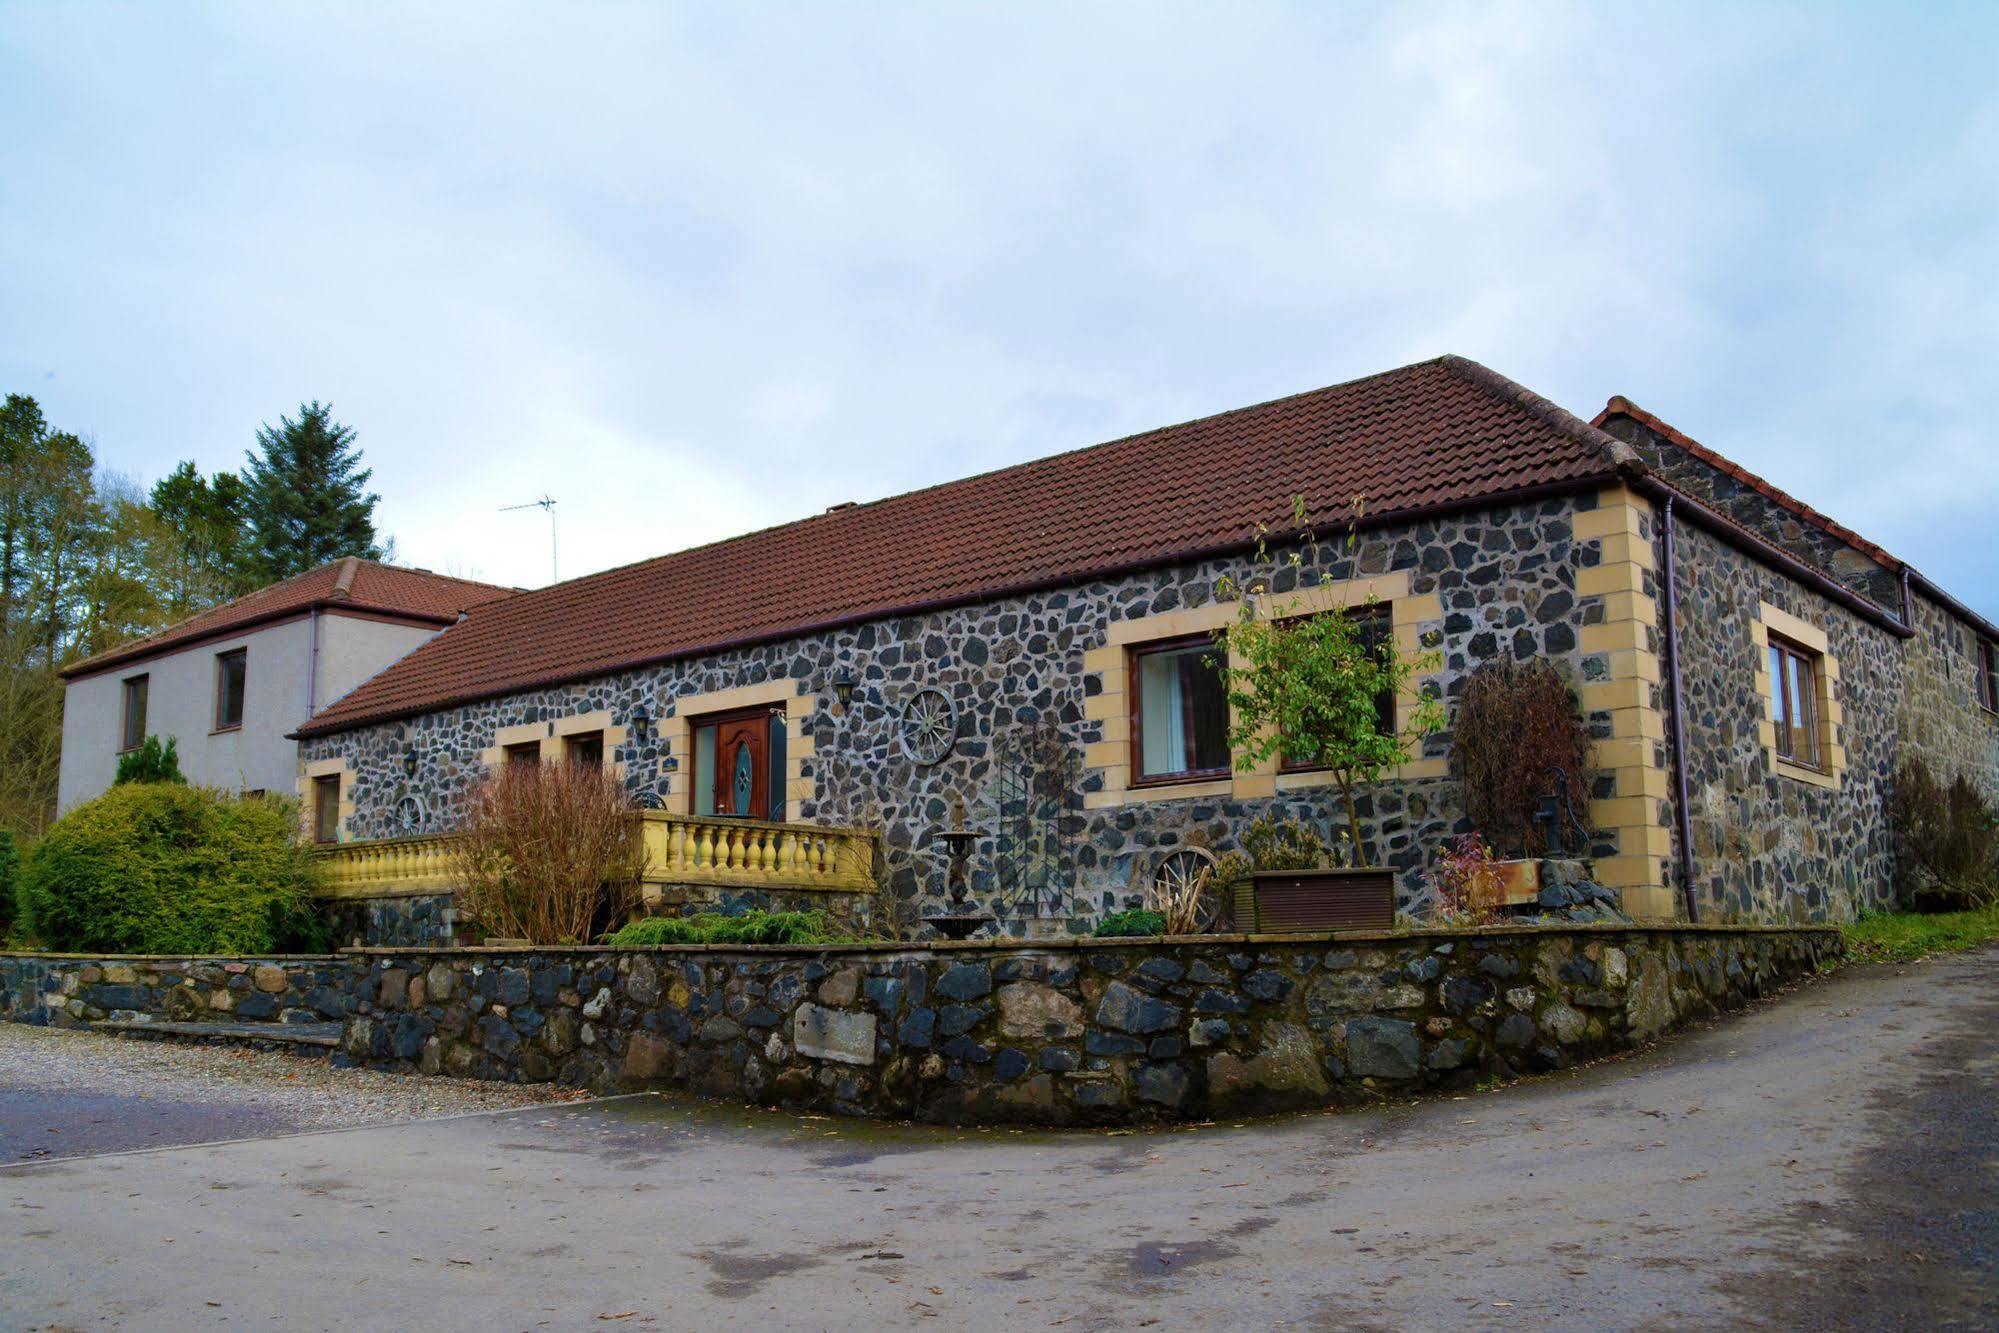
{"x": 962, "y": 921}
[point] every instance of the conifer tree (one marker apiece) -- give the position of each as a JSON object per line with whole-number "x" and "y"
{"x": 306, "y": 500}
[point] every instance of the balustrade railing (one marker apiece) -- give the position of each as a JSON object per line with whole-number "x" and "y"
{"x": 680, "y": 849}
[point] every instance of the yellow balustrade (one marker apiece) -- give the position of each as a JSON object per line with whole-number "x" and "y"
{"x": 743, "y": 853}
{"x": 731, "y": 853}
{"x": 387, "y": 866}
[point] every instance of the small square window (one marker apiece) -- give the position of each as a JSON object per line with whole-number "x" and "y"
{"x": 586, "y": 749}
{"x": 231, "y": 669}
{"x": 1180, "y": 712}
{"x": 326, "y": 809}
{"x": 527, "y": 752}
{"x": 132, "y": 727}
{"x": 1794, "y": 702}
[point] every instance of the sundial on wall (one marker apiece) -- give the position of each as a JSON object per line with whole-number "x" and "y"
{"x": 408, "y": 815}
{"x": 929, "y": 726}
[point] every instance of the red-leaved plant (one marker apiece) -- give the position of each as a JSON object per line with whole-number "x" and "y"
{"x": 1464, "y": 882}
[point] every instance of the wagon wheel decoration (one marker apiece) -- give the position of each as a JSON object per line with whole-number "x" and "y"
{"x": 408, "y": 815}
{"x": 1183, "y": 875}
{"x": 929, "y": 726}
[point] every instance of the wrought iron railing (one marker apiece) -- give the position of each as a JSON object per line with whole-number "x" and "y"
{"x": 680, "y": 849}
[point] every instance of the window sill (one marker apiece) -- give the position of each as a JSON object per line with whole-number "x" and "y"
{"x": 1190, "y": 779}
{"x": 1805, "y": 773}
{"x": 224, "y": 731}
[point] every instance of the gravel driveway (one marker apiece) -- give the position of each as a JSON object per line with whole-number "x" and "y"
{"x": 1825, "y": 1161}
{"x": 67, "y": 1094}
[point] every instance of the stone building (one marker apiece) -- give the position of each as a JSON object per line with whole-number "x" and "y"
{"x": 1028, "y": 644}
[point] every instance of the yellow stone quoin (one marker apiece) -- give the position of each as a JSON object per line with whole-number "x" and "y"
{"x": 1634, "y": 812}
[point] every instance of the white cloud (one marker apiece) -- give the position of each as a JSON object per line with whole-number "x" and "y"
{"x": 698, "y": 269}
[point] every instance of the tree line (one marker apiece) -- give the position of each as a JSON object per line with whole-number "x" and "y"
{"x": 90, "y": 558}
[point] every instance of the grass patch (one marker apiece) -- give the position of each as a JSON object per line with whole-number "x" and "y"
{"x": 1900, "y": 937}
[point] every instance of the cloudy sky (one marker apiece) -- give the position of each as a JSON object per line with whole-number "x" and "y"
{"x": 695, "y": 270}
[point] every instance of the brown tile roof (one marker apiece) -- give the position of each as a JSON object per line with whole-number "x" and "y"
{"x": 1620, "y": 406}
{"x": 351, "y": 583}
{"x": 1432, "y": 436}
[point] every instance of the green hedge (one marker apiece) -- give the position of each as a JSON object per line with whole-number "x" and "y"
{"x": 752, "y": 927}
{"x": 162, "y": 868}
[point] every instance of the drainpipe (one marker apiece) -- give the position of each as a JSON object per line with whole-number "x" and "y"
{"x": 1685, "y": 815}
{"x": 312, "y": 662}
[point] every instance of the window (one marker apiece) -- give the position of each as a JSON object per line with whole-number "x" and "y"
{"x": 1794, "y": 699}
{"x": 586, "y": 749}
{"x": 1377, "y": 634}
{"x": 739, "y": 764}
{"x": 229, "y": 674}
{"x": 1180, "y": 712}
{"x": 527, "y": 752}
{"x": 326, "y": 809}
{"x": 132, "y": 730}
{"x": 1988, "y": 674}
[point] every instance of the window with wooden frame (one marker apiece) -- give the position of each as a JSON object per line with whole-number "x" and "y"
{"x": 326, "y": 809}
{"x": 231, "y": 672}
{"x": 132, "y": 718}
{"x": 1179, "y": 711}
{"x": 1988, "y": 675}
{"x": 585, "y": 749}
{"x": 527, "y": 752}
{"x": 1794, "y": 702}
{"x": 1377, "y": 633}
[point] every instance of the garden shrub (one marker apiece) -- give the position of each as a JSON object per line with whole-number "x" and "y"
{"x": 151, "y": 762}
{"x": 1130, "y": 924}
{"x": 168, "y": 868}
{"x": 548, "y": 851}
{"x": 751, "y": 927}
{"x": 1516, "y": 728}
{"x": 1946, "y": 841}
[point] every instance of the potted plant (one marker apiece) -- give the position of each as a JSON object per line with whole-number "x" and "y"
{"x": 1304, "y": 685}
{"x": 1519, "y": 739}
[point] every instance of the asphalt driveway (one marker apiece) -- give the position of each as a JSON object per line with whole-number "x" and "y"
{"x": 1826, "y": 1161}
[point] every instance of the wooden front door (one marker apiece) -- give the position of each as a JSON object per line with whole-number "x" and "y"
{"x": 742, "y": 766}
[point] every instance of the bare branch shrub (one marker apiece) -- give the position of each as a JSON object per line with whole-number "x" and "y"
{"x": 548, "y": 852}
{"x": 1516, "y": 726}
{"x": 1946, "y": 841}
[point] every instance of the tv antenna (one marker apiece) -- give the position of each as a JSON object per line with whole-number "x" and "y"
{"x": 547, "y": 506}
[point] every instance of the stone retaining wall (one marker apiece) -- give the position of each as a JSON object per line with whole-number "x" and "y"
{"x": 1058, "y": 1033}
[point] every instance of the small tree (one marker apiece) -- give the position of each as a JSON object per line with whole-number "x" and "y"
{"x": 549, "y": 851}
{"x": 151, "y": 762}
{"x": 1306, "y": 687}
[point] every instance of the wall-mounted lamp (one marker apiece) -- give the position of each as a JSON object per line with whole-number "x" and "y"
{"x": 843, "y": 690}
{"x": 409, "y": 761}
{"x": 641, "y": 722}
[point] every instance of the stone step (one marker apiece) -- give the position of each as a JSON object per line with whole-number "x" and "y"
{"x": 323, "y": 1036}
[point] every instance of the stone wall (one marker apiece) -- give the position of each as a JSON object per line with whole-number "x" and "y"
{"x": 1505, "y": 578}
{"x": 1061, "y": 1033}
{"x": 58, "y": 990}
{"x": 1939, "y": 718}
{"x": 1767, "y": 846}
